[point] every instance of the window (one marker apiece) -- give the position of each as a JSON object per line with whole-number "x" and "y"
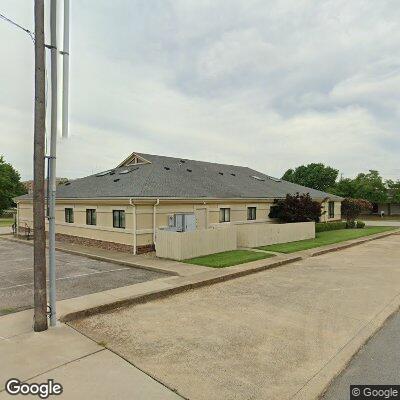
{"x": 90, "y": 216}
{"x": 224, "y": 214}
{"x": 251, "y": 213}
{"x": 69, "y": 215}
{"x": 331, "y": 209}
{"x": 118, "y": 219}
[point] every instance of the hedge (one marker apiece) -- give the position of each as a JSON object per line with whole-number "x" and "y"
{"x": 329, "y": 226}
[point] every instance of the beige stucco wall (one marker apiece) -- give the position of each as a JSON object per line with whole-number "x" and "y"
{"x": 184, "y": 245}
{"x": 262, "y": 234}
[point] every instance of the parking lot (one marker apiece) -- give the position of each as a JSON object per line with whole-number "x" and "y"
{"x": 76, "y": 276}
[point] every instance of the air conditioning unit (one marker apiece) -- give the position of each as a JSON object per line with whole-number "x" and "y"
{"x": 182, "y": 222}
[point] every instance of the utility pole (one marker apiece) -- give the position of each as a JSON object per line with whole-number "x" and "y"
{"x": 52, "y": 164}
{"x": 39, "y": 258}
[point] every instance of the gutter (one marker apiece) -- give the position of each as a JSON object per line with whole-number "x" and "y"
{"x": 134, "y": 226}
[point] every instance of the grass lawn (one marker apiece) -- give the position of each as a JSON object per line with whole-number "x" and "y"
{"x": 324, "y": 238}
{"x": 6, "y": 221}
{"x": 228, "y": 258}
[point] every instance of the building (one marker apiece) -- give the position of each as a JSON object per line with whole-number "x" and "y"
{"x": 122, "y": 208}
{"x": 29, "y": 184}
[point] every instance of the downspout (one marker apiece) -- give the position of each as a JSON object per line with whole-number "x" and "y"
{"x": 134, "y": 225}
{"x": 154, "y": 220}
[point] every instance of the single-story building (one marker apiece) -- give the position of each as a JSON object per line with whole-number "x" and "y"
{"x": 122, "y": 208}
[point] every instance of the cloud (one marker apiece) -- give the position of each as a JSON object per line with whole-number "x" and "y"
{"x": 269, "y": 85}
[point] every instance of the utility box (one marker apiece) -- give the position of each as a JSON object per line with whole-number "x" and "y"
{"x": 182, "y": 222}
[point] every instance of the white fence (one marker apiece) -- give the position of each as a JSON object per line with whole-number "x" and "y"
{"x": 184, "y": 245}
{"x": 263, "y": 234}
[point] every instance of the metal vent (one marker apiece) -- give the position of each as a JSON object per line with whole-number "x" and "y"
{"x": 103, "y": 173}
{"x": 257, "y": 178}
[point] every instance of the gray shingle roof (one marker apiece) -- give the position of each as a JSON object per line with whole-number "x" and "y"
{"x": 172, "y": 177}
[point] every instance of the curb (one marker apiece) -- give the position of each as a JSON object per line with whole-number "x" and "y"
{"x": 163, "y": 293}
{"x": 357, "y": 242}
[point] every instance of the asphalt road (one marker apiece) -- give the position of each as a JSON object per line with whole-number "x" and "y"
{"x": 76, "y": 276}
{"x": 377, "y": 363}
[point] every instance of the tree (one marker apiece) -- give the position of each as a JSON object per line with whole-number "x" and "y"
{"x": 394, "y": 190}
{"x": 346, "y": 187}
{"x": 352, "y": 208}
{"x": 370, "y": 187}
{"x": 315, "y": 176}
{"x": 297, "y": 208}
{"x": 10, "y": 185}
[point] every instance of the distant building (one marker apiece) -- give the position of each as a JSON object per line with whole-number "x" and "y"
{"x": 29, "y": 184}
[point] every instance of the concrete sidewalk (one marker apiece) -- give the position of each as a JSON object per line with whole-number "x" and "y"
{"x": 85, "y": 369}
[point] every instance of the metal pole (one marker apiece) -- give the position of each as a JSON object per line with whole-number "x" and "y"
{"x": 39, "y": 243}
{"x": 65, "y": 53}
{"x": 52, "y": 163}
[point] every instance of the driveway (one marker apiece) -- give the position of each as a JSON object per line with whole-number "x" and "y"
{"x": 263, "y": 336}
{"x": 76, "y": 276}
{"x": 382, "y": 223}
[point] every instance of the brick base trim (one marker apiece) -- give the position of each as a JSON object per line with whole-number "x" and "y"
{"x": 126, "y": 248}
{"x": 102, "y": 244}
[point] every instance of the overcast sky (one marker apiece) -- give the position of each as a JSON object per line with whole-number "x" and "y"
{"x": 268, "y": 84}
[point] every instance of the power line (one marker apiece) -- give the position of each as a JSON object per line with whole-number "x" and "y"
{"x": 31, "y": 34}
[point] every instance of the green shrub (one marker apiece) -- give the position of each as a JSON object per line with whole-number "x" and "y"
{"x": 350, "y": 224}
{"x": 329, "y": 226}
{"x": 360, "y": 224}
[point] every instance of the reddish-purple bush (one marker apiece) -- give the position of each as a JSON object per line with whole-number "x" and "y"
{"x": 296, "y": 208}
{"x": 352, "y": 208}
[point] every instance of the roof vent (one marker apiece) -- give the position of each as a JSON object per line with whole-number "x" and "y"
{"x": 167, "y": 168}
{"x": 257, "y": 178}
{"x": 112, "y": 173}
{"x": 221, "y": 173}
{"x": 182, "y": 161}
{"x": 189, "y": 170}
{"x": 67, "y": 183}
{"x": 275, "y": 179}
{"x": 233, "y": 174}
{"x": 126, "y": 171}
{"x": 103, "y": 173}
{"x": 116, "y": 180}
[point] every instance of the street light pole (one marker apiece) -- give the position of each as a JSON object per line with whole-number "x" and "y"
{"x": 52, "y": 164}
{"x": 65, "y": 54}
{"x": 39, "y": 245}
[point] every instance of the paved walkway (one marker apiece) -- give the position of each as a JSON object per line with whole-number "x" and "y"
{"x": 278, "y": 334}
{"x": 85, "y": 369}
{"x": 377, "y": 363}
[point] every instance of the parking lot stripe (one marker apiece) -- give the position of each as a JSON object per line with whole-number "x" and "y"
{"x": 69, "y": 277}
